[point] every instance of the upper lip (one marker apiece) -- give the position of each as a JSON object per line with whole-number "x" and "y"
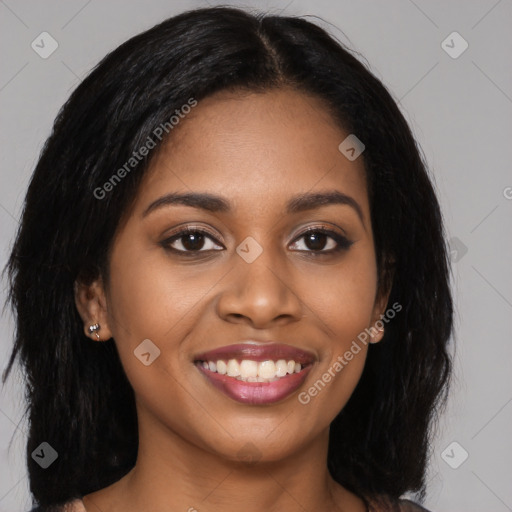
{"x": 257, "y": 352}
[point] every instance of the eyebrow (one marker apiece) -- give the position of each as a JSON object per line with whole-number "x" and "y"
{"x": 217, "y": 204}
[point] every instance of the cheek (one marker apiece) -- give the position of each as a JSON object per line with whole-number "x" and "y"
{"x": 149, "y": 296}
{"x": 148, "y": 305}
{"x": 343, "y": 304}
{"x": 343, "y": 296}
{"x": 152, "y": 299}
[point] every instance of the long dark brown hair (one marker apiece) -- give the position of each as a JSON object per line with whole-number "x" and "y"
{"x": 78, "y": 397}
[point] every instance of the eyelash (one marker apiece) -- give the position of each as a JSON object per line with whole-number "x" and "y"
{"x": 343, "y": 243}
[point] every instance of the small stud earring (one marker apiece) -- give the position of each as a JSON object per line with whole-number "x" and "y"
{"x": 93, "y": 329}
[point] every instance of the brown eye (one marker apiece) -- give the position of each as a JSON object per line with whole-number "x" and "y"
{"x": 193, "y": 241}
{"x": 322, "y": 241}
{"x": 316, "y": 241}
{"x": 190, "y": 241}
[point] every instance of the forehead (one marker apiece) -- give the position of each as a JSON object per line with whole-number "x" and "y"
{"x": 256, "y": 149}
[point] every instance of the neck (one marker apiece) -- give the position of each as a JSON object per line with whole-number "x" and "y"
{"x": 172, "y": 473}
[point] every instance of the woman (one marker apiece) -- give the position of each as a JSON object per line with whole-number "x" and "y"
{"x": 230, "y": 280}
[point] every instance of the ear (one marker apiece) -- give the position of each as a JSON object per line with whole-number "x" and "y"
{"x": 380, "y": 305}
{"x": 91, "y": 303}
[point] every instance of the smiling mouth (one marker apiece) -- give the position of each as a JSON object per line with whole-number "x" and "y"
{"x": 248, "y": 370}
{"x": 256, "y": 373}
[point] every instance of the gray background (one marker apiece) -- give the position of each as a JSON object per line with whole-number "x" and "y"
{"x": 460, "y": 111}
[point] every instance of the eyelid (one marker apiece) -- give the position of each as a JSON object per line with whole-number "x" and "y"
{"x": 326, "y": 228}
{"x": 190, "y": 228}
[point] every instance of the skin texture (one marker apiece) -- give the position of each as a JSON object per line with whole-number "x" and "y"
{"x": 256, "y": 150}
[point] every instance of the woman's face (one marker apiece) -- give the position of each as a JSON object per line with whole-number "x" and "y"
{"x": 251, "y": 274}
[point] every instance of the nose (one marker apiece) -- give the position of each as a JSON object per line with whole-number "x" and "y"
{"x": 260, "y": 293}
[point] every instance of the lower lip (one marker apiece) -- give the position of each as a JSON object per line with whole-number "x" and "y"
{"x": 256, "y": 393}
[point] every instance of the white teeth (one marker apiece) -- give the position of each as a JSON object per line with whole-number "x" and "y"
{"x": 252, "y": 371}
{"x": 222, "y": 367}
{"x": 248, "y": 369}
{"x": 281, "y": 368}
{"x": 267, "y": 369}
{"x": 233, "y": 369}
